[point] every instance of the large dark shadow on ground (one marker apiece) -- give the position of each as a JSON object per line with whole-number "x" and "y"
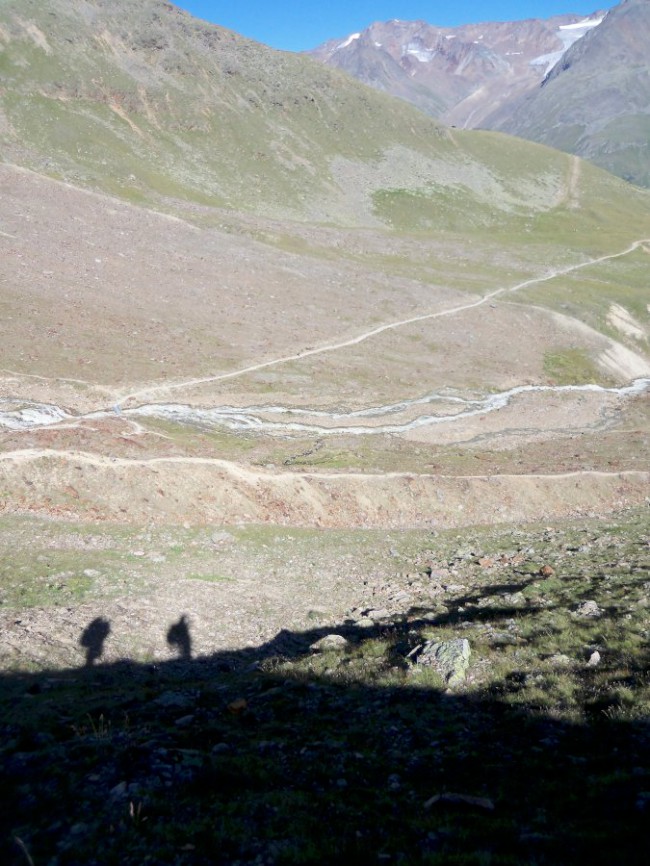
{"x": 250, "y": 757}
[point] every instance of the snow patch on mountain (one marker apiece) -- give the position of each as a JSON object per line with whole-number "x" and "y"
{"x": 585, "y": 24}
{"x": 569, "y": 34}
{"x": 351, "y": 38}
{"x": 417, "y": 50}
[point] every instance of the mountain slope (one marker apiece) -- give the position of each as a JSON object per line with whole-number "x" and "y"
{"x": 350, "y": 287}
{"x": 139, "y": 96}
{"x": 596, "y": 101}
{"x": 458, "y": 74}
{"x": 578, "y": 84}
{"x": 141, "y": 100}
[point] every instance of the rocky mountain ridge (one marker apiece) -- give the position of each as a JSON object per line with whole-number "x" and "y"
{"x": 580, "y": 84}
{"x": 595, "y": 102}
{"x": 457, "y": 74}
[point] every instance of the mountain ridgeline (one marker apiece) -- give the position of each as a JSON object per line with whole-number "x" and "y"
{"x": 456, "y": 74}
{"x": 579, "y": 84}
{"x": 595, "y": 101}
{"x": 139, "y": 99}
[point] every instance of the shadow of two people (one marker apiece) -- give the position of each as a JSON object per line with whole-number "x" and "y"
{"x": 96, "y": 632}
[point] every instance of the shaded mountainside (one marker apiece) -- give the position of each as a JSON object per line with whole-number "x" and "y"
{"x": 596, "y": 100}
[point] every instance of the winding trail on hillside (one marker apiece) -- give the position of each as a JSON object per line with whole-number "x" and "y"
{"x": 253, "y": 475}
{"x": 381, "y": 329}
{"x": 573, "y": 200}
{"x": 71, "y": 483}
{"x": 569, "y": 196}
{"x": 20, "y": 416}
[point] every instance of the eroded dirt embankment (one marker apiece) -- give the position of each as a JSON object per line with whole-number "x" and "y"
{"x": 78, "y": 485}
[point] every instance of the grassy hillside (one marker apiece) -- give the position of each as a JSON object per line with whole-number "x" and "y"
{"x": 143, "y": 101}
{"x": 330, "y": 265}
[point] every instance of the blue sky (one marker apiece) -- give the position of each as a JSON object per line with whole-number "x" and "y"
{"x": 295, "y": 25}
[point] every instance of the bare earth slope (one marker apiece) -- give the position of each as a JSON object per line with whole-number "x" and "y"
{"x": 321, "y": 390}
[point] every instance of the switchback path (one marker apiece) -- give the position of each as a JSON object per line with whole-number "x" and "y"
{"x": 213, "y": 491}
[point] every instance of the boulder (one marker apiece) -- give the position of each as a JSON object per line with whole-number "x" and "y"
{"x": 450, "y": 657}
{"x": 330, "y": 642}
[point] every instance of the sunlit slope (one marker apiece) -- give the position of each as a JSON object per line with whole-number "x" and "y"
{"x": 141, "y": 100}
{"x": 596, "y": 100}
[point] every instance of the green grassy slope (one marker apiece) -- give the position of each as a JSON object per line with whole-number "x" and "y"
{"x": 141, "y": 100}
{"x": 140, "y": 97}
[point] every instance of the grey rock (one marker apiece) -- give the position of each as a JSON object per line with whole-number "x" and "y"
{"x": 594, "y": 659}
{"x": 222, "y": 536}
{"x": 451, "y": 658}
{"x": 330, "y": 642}
{"x": 174, "y": 699}
{"x": 514, "y": 599}
{"x": 487, "y": 601}
{"x": 378, "y": 613}
{"x": 588, "y": 610}
{"x": 119, "y": 790}
{"x": 502, "y": 638}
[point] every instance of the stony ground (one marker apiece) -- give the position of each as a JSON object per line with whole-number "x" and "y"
{"x": 333, "y": 739}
